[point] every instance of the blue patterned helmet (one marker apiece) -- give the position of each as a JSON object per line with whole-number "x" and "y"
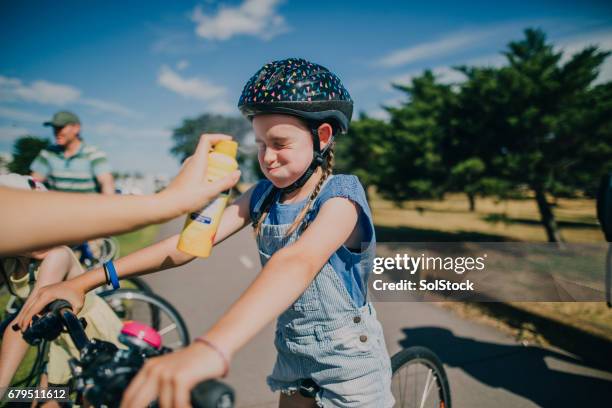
{"x": 300, "y": 88}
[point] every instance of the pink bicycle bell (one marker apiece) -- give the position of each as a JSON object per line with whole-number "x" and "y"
{"x": 140, "y": 335}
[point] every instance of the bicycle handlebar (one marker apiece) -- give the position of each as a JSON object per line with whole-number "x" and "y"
{"x": 103, "y": 372}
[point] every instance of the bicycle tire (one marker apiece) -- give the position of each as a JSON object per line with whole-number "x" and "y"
{"x": 138, "y": 284}
{"x": 418, "y": 355}
{"x": 166, "y": 310}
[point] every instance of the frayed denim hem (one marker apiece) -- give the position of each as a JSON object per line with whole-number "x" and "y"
{"x": 291, "y": 388}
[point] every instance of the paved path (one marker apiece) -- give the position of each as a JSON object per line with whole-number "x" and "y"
{"x": 486, "y": 368}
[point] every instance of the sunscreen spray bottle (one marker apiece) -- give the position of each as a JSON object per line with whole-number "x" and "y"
{"x": 198, "y": 234}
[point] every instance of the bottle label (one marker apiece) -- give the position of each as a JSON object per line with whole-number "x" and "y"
{"x": 205, "y": 216}
{"x": 201, "y": 218}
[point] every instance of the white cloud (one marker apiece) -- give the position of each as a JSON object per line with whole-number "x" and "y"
{"x": 21, "y": 116}
{"x": 109, "y": 107}
{"x": 196, "y": 88}
{"x": 443, "y": 46}
{"x": 40, "y": 91}
{"x": 9, "y": 133}
{"x": 602, "y": 39}
{"x": 456, "y": 42}
{"x": 49, "y": 93}
{"x": 182, "y": 64}
{"x": 257, "y": 18}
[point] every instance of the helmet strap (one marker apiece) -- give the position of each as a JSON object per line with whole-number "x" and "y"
{"x": 317, "y": 160}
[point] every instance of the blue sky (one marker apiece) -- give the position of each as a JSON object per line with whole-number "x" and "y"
{"x": 133, "y": 70}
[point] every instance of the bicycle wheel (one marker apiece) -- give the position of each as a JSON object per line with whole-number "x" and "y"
{"x": 104, "y": 250}
{"x": 136, "y": 283}
{"x": 419, "y": 379}
{"x": 130, "y": 304}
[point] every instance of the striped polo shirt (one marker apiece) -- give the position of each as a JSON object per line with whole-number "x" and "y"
{"x": 72, "y": 174}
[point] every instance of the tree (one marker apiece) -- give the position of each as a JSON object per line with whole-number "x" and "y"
{"x": 25, "y": 150}
{"x": 412, "y": 166}
{"x": 538, "y": 122}
{"x": 362, "y": 150}
{"x": 186, "y": 136}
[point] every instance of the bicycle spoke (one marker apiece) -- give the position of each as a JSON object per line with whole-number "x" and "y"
{"x": 428, "y": 386}
{"x": 167, "y": 329}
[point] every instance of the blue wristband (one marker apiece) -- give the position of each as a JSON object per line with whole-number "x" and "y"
{"x": 112, "y": 273}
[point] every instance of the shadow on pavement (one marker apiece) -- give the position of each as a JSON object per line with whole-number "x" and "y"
{"x": 530, "y": 372}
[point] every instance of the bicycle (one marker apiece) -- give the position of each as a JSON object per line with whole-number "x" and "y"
{"x": 417, "y": 372}
{"x": 103, "y": 371}
{"x": 128, "y": 304}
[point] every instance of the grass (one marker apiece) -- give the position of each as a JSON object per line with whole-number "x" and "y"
{"x": 509, "y": 220}
{"x": 128, "y": 243}
{"x": 133, "y": 241}
{"x": 496, "y": 221}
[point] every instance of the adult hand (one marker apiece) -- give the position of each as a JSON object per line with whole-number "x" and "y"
{"x": 190, "y": 190}
{"x": 40, "y": 298}
{"x": 171, "y": 377}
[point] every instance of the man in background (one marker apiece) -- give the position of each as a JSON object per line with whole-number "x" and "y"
{"x": 70, "y": 164}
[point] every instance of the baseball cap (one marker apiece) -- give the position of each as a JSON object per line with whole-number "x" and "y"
{"x": 62, "y": 118}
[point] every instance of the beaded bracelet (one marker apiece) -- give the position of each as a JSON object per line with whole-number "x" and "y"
{"x": 220, "y": 352}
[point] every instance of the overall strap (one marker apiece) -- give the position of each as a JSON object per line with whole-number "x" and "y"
{"x": 263, "y": 203}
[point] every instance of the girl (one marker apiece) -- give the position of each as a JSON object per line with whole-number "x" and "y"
{"x": 315, "y": 237}
{"x": 25, "y": 274}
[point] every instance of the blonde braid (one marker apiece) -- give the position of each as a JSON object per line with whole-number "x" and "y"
{"x": 327, "y": 170}
{"x": 264, "y": 214}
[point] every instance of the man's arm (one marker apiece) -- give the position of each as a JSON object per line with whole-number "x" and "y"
{"x": 40, "y": 167}
{"x": 107, "y": 183}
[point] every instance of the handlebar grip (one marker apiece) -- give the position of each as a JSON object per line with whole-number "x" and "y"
{"x": 212, "y": 394}
{"x": 49, "y": 326}
{"x": 58, "y": 305}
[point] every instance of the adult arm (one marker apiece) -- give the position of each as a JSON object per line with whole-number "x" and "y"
{"x": 157, "y": 257}
{"x": 32, "y": 219}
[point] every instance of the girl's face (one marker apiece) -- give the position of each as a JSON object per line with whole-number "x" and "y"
{"x": 285, "y": 147}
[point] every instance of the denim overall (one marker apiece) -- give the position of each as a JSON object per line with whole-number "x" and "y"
{"x": 325, "y": 337}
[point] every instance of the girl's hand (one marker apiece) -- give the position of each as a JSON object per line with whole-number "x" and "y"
{"x": 40, "y": 298}
{"x": 170, "y": 378}
{"x": 190, "y": 190}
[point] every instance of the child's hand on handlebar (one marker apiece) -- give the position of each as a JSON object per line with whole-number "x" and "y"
{"x": 171, "y": 377}
{"x": 40, "y": 298}
{"x": 190, "y": 190}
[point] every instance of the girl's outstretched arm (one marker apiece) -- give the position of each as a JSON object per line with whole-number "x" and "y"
{"x": 235, "y": 217}
{"x": 157, "y": 257}
{"x": 284, "y": 278}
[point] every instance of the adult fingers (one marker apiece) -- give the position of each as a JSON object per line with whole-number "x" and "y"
{"x": 224, "y": 183}
{"x": 200, "y": 157}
